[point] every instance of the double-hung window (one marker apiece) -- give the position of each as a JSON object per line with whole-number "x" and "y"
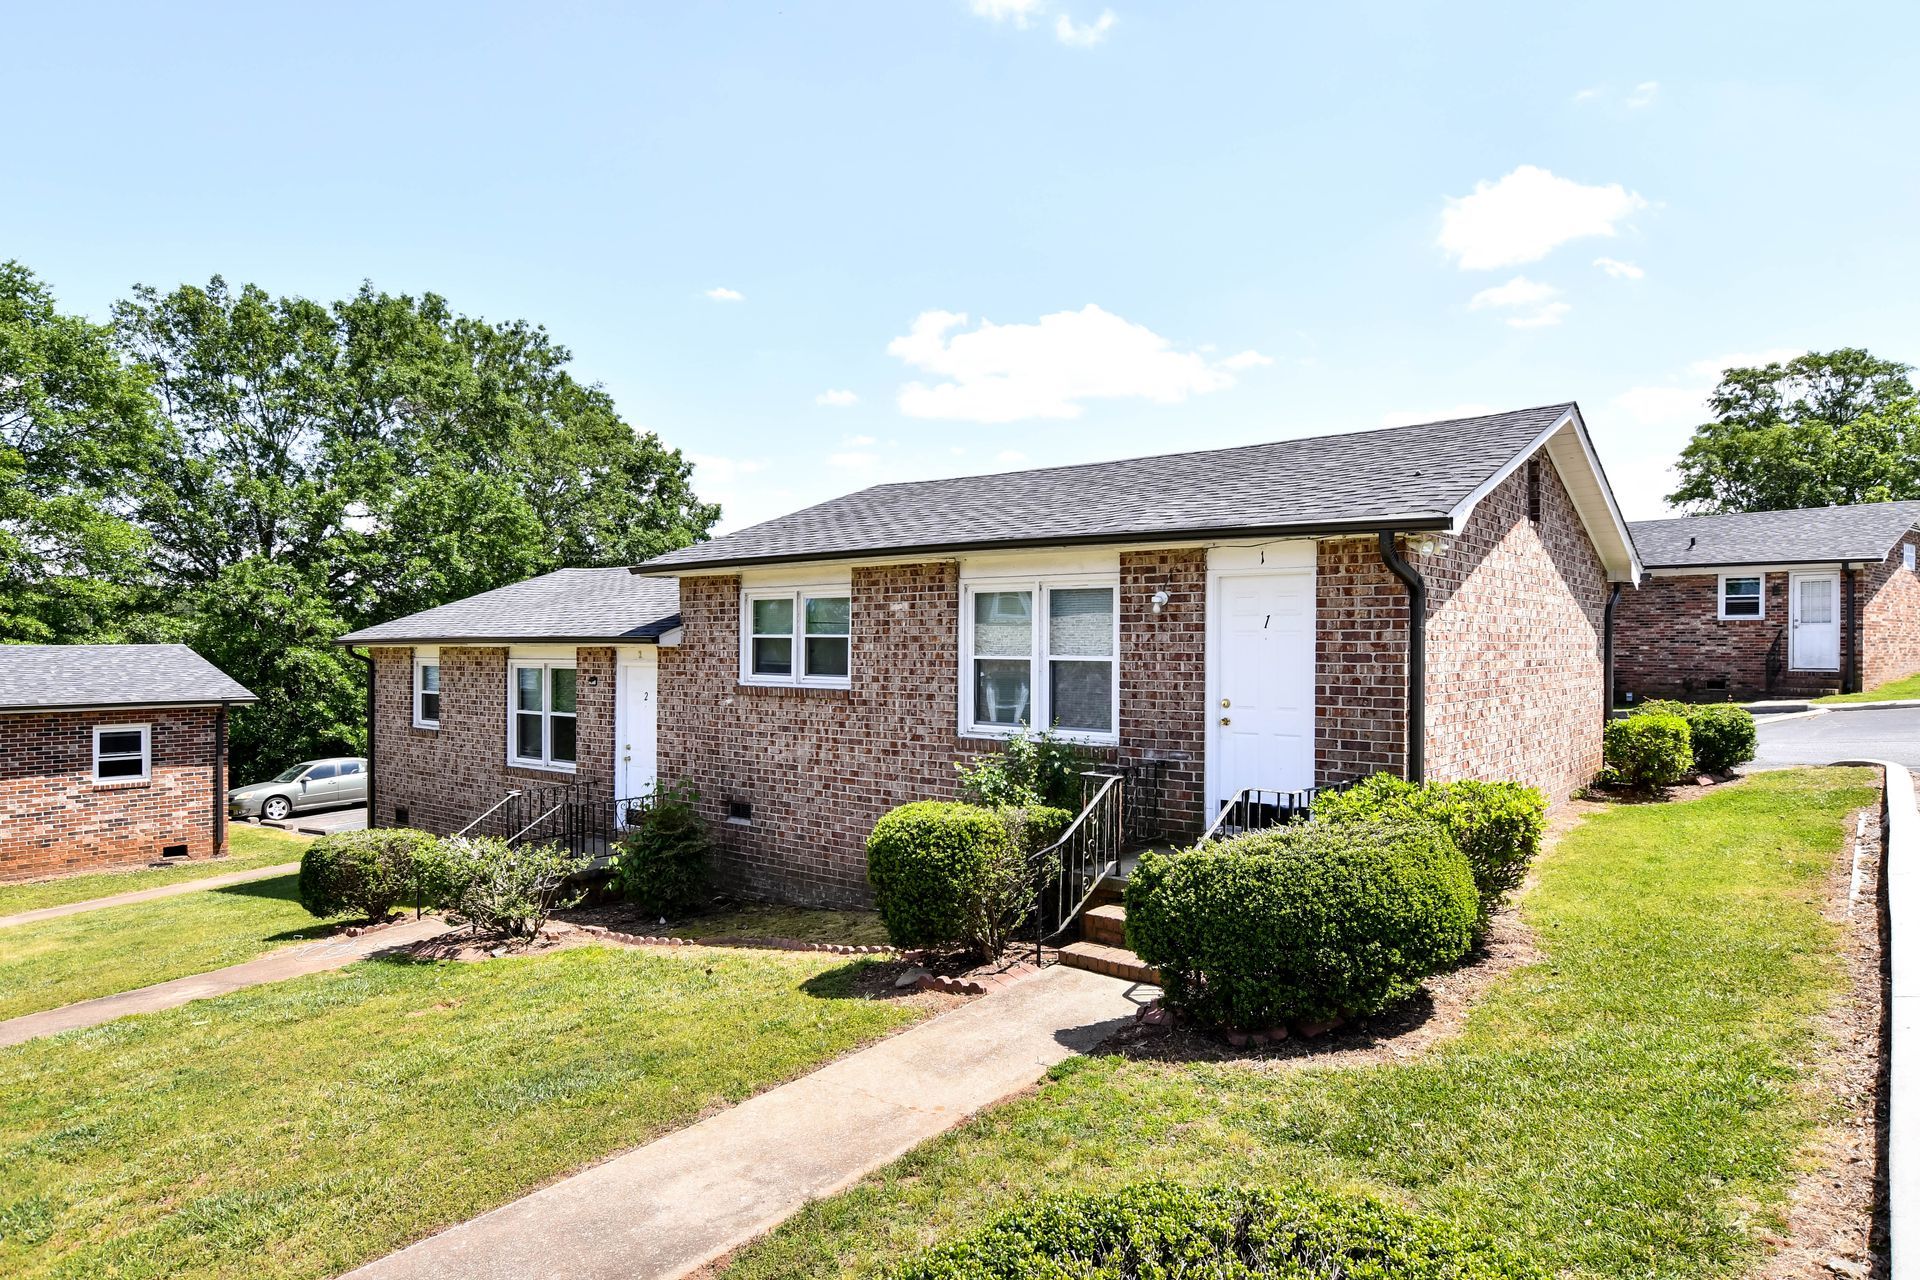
{"x": 540, "y": 723}
{"x": 122, "y": 753}
{"x": 1041, "y": 655}
{"x": 1742, "y": 597}
{"x": 426, "y": 692}
{"x": 800, "y": 637}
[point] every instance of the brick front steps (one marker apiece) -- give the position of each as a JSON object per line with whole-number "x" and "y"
{"x": 1103, "y": 947}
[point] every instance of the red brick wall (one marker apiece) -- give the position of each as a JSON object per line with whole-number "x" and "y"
{"x": 445, "y": 777}
{"x": 1514, "y": 630}
{"x": 1163, "y": 676}
{"x": 1888, "y": 597}
{"x": 54, "y": 818}
{"x": 1360, "y": 661}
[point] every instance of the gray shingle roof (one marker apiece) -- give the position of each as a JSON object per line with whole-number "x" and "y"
{"x": 566, "y": 605}
{"x": 1413, "y": 476}
{"x": 1866, "y": 531}
{"x": 111, "y": 675}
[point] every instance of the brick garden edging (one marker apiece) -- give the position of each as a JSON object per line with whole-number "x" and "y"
{"x": 734, "y": 940}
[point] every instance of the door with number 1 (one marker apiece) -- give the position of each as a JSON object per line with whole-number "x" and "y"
{"x": 1260, "y": 731}
{"x": 636, "y": 743}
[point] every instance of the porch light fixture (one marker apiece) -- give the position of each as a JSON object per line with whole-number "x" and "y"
{"x": 1428, "y": 544}
{"x": 1160, "y": 599}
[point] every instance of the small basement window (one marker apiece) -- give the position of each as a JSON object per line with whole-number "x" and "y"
{"x": 1742, "y": 597}
{"x": 739, "y": 811}
{"x": 122, "y": 753}
{"x": 173, "y": 851}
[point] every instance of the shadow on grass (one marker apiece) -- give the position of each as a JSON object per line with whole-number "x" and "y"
{"x": 859, "y": 980}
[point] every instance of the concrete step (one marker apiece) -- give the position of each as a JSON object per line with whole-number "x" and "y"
{"x": 1115, "y": 962}
{"x": 1106, "y": 924}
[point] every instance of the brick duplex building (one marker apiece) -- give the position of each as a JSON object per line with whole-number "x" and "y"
{"x": 1238, "y": 618}
{"x": 110, "y": 755}
{"x": 1773, "y": 603}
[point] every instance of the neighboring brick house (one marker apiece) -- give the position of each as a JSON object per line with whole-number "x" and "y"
{"x": 110, "y": 755}
{"x": 544, "y": 684}
{"x": 1772, "y": 604}
{"x": 1237, "y": 618}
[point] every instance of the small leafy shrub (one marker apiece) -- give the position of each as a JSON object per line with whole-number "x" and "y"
{"x": 662, "y": 860}
{"x": 1498, "y": 826}
{"x": 1030, "y": 769}
{"x": 365, "y": 872}
{"x": 1649, "y": 751}
{"x": 1034, "y": 827}
{"x": 947, "y": 874}
{"x": 1160, "y": 1230}
{"x": 1723, "y": 735}
{"x": 1303, "y": 922}
{"x": 503, "y": 888}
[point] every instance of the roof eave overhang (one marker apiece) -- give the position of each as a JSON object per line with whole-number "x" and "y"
{"x": 145, "y": 704}
{"x": 1422, "y": 522}
{"x": 482, "y": 642}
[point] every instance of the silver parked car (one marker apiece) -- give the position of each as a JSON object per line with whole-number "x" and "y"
{"x": 315, "y": 784}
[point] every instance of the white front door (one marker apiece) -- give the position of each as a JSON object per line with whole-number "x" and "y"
{"x": 1814, "y": 614}
{"x": 1261, "y": 717}
{"x": 636, "y": 746}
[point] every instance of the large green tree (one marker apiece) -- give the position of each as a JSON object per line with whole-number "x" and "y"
{"x": 1821, "y": 429}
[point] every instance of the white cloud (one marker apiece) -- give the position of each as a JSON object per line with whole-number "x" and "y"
{"x": 1529, "y": 303}
{"x": 1643, "y": 94}
{"x": 1683, "y": 402}
{"x": 836, "y": 398}
{"x": 1409, "y": 417}
{"x": 1012, "y": 372}
{"x": 1083, "y": 35}
{"x": 1246, "y": 360}
{"x": 1588, "y": 95}
{"x": 720, "y": 293}
{"x": 1717, "y": 365}
{"x": 1020, "y": 11}
{"x": 1619, "y": 270}
{"x": 1527, "y": 214}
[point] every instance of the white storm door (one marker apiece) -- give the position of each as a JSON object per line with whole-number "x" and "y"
{"x": 636, "y": 744}
{"x": 1815, "y": 616}
{"x": 1261, "y": 720}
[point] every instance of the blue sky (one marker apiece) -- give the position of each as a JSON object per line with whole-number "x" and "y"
{"x": 1174, "y": 227}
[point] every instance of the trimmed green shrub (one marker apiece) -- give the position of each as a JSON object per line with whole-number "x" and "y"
{"x": 1302, "y": 922}
{"x": 946, "y": 874}
{"x": 1649, "y": 751}
{"x": 503, "y": 888}
{"x": 366, "y": 872}
{"x": 1035, "y": 827}
{"x": 1497, "y": 826}
{"x": 1161, "y": 1230}
{"x": 1028, "y": 770}
{"x": 662, "y": 860}
{"x": 1723, "y": 735}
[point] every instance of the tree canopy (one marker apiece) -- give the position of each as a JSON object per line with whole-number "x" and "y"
{"x": 1821, "y": 429}
{"x": 257, "y": 475}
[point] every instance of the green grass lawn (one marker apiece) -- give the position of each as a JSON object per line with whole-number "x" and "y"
{"x": 248, "y": 847}
{"x": 1905, "y": 687}
{"x": 1628, "y": 1105}
{"x": 55, "y": 962}
{"x": 300, "y": 1129}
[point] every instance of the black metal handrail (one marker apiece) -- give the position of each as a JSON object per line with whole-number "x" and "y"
{"x": 1257, "y": 808}
{"x": 579, "y": 816}
{"x": 1065, "y": 873}
{"x": 1776, "y": 660}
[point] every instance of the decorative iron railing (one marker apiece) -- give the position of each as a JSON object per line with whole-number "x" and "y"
{"x": 1257, "y": 808}
{"x": 583, "y": 817}
{"x": 1065, "y": 873}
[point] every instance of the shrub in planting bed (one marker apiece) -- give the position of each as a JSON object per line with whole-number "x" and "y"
{"x": 1721, "y": 734}
{"x": 503, "y": 888}
{"x": 366, "y": 872}
{"x": 1161, "y": 1230}
{"x": 662, "y": 861}
{"x": 1302, "y": 923}
{"x": 946, "y": 874}
{"x": 1649, "y": 751}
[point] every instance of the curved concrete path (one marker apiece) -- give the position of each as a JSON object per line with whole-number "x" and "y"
{"x": 275, "y": 966}
{"x": 670, "y": 1207}
{"x": 148, "y": 895}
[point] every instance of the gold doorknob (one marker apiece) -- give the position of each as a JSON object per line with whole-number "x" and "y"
{"x": 1226, "y": 702}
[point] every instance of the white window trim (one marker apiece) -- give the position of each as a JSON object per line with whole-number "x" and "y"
{"x": 1907, "y": 557}
{"x": 797, "y": 679}
{"x": 146, "y": 752}
{"x": 1742, "y": 617}
{"x": 545, "y": 666}
{"x": 1038, "y": 658}
{"x": 420, "y": 662}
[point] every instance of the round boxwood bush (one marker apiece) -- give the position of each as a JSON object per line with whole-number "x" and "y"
{"x": 365, "y": 872}
{"x": 1302, "y": 923}
{"x": 661, "y": 863}
{"x": 1721, "y": 734}
{"x": 1648, "y": 751}
{"x": 1162, "y": 1230}
{"x": 946, "y": 874}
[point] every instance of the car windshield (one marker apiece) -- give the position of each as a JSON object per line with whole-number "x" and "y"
{"x": 293, "y": 773}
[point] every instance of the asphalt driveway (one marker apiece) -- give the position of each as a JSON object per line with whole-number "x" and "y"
{"x": 322, "y": 822}
{"x": 1893, "y": 734}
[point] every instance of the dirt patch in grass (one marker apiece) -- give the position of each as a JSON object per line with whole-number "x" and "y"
{"x": 1836, "y": 1218}
{"x": 467, "y": 947}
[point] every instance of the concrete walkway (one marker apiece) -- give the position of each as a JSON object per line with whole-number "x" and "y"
{"x": 671, "y": 1206}
{"x": 148, "y": 895}
{"x": 275, "y": 966}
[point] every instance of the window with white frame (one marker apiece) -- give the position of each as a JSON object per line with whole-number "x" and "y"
{"x": 1742, "y": 597}
{"x": 426, "y": 692}
{"x": 540, "y": 713}
{"x": 802, "y": 637}
{"x": 1041, "y": 655}
{"x": 1906, "y": 556}
{"x": 122, "y": 753}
